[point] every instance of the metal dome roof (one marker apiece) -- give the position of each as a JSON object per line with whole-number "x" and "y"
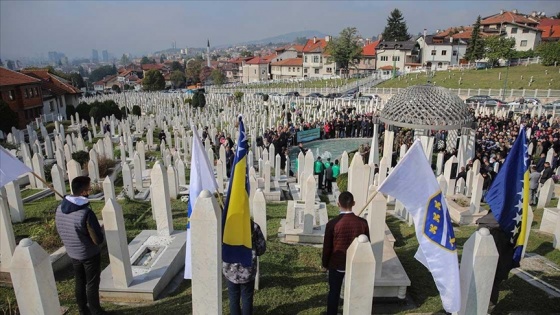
{"x": 426, "y": 107}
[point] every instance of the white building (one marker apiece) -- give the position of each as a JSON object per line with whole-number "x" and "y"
{"x": 438, "y": 53}
{"x": 315, "y": 59}
{"x": 404, "y": 56}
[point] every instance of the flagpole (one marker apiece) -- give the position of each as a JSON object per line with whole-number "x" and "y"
{"x": 368, "y": 202}
{"x": 47, "y": 184}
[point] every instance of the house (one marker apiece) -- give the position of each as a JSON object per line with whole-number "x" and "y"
{"x": 157, "y": 66}
{"x": 550, "y": 30}
{"x": 397, "y": 56}
{"x": 106, "y": 83}
{"x": 233, "y": 68}
{"x": 315, "y": 59}
{"x": 512, "y": 24}
{"x": 438, "y": 52}
{"x": 366, "y": 64}
{"x": 287, "y": 68}
{"x": 23, "y": 94}
{"x": 57, "y": 93}
{"x": 255, "y": 69}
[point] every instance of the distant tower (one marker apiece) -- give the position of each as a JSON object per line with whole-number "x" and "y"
{"x": 208, "y": 54}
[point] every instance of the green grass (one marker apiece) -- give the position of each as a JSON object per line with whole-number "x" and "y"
{"x": 291, "y": 277}
{"x": 485, "y": 79}
{"x": 28, "y": 192}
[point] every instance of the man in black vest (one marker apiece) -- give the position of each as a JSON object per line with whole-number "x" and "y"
{"x": 82, "y": 236}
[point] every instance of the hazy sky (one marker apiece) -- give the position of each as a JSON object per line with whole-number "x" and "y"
{"x": 32, "y": 28}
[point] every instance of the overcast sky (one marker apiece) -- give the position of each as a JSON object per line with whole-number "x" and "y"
{"x": 32, "y": 28}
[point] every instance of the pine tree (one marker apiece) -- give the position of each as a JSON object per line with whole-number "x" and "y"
{"x": 475, "y": 48}
{"x": 396, "y": 29}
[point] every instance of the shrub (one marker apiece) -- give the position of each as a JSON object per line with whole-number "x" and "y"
{"x": 201, "y": 100}
{"x": 83, "y": 109}
{"x": 9, "y": 117}
{"x": 71, "y": 111}
{"x": 187, "y": 101}
{"x": 238, "y": 96}
{"x": 124, "y": 112}
{"x": 81, "y": 157}
{"x": 136, "y": 110}
{"x": 265, "y": 97}
{"x": 105, "y": 166}
{"x": 342, "y": 182}
{"x": 195, "y": 100}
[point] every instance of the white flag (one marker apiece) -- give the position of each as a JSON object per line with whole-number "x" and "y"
{"x": 202, "y": 177}
{"x": 413, "y": 183}
{"x": 10, "y": 167}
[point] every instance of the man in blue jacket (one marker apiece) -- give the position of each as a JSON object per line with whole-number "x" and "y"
{"x": 82, "y": 236}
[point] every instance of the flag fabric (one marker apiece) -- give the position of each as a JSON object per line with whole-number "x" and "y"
{"x": 508, "y": 196}
{"x": 10, "y": 167}
{"x": 201, "y": 178}
{"x": 413, "y": 183}
{"x": 236, "y": 241}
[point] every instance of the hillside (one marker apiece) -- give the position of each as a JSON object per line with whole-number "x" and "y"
{"x": 285, "y": 38}
{"x": 518, "y": 78}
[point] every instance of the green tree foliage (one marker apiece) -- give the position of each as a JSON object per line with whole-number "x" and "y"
{"x": 498, "y": 48}
{"x": 136, "y": 110}
{"x": 116, "y": 88}
{"x": 153, "y": 81}
{"x": 98, "y": 110}
{"x": 83, "y": 109}
{"x": 9, "y": 117}
{"x": 70, "y": 111}
{"x": 301, "y": 40}
{"x": 195, "y": 100}
{"x": 11, "y": 65}
{"x": 524, "y": 54}
{"x": 201, "y": 100}
{"x": 344, "y": 49}
{"x": 81, "y": 157}
{"x": 145, "y": 60}
{"x": 238, "y": 96}
{"x": 177, "y": 78}
{"x": 475, "y": 47}
{"x": 125, "y": 60}
{"x": 124, "y": 112}
{"x": 549, "y": 52}
{"x": 102, "y": 72}
{"x": 177, "y": 66}
{"x": 246, "y": 53}
{"x": 396, "y": 29}
{"x": 218, "y": 77}
{"x": 557, "y": 16}
{"x": 77, "y": 80}
{"x": 127, "y": 87}
{"x": 193, "y": 71}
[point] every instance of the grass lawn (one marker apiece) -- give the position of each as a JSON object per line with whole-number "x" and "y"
{"x": 291, "y": 277}
{"x": 485, "y": 79}
{"x": 28, "y": 192}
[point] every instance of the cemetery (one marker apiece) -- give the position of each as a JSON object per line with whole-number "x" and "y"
{"x": 140, "y": 167}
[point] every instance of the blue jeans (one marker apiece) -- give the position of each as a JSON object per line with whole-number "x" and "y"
{"x": 245, "y": 292}
{"x": 335, "y": 286}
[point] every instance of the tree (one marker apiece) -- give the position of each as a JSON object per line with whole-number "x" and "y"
{"x": 177, "y": 78}
{"x": 195, "y": 100}
{"x": 77, "y": 80}
{"x": 9, "y": 117}
{"x": 127, "y": 87}
{"x": 161, "y": 58}
{"x": 301, "y": 40}
{"x": 205, "y": 73}
{"x": 102, "y": 72}
{"x": 246, "y": 53}
{"x": 125, "y": 60}
{"x": 201, "y": 100}
{"x": 145, "y": 60}
{"x": 177, "y": 66}
{"x": 116, "y": 88}
{"x": 557, "y": 16}
{"x": 344, "y": 49}
{"x": 498, "y": 48}
{"x": 396, "y": 29}
{"x": 70, "y": 111}
{"x": 193, "y": 71}
{"x": 83, "y": 110}
{"x": 549, "y": 52}
{"x": 11, "y": 65}
{"x": 475, "y": 47}
{"x": 136, "y": 110}
{"x": 153, "y": 81}
{"x": 218, "y": 77}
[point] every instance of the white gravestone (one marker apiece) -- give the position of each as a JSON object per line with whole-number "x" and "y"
{"x": 377, "y": 210}
{"x": 474, "y": 207}
{"x": 546, "y": 193}
{"x": 57, "y": 175}
{"x": 478, "y": 267}
{"x": 162, "y": 211}
{"x": 15, "y": 203}
{"x": 33, "y": 280}
{"x": 7, "y": 238}
{"x": 359, "y": 277}
{"x": 117, "y": 244}
{"x": 358, "y": 181}
{"x": 108, "y": 189}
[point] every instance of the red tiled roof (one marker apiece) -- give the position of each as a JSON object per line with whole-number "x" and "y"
{"x": 507, "y": 16}
{"x": 105, "y": 80}
{"x": 315, "y": 45}
{"x": 548, "y": 22}
{"x": 289, "y": 62}
{"x": 9, "y": 77}
{"x": 460, "y": 32}
{"x": 388, "y": 67}
{"x": 257, "y": 61}
{"x": 369, "y": 49}
{"x": 550, "y": 32}
{"x": 52, "y": 82}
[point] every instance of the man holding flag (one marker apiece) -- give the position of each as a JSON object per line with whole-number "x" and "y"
{"x": 413, "y": 183}
{"x": 508, "y": 198}
{"x": 202, "y": 177}
{"x": 242, "y": 239}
